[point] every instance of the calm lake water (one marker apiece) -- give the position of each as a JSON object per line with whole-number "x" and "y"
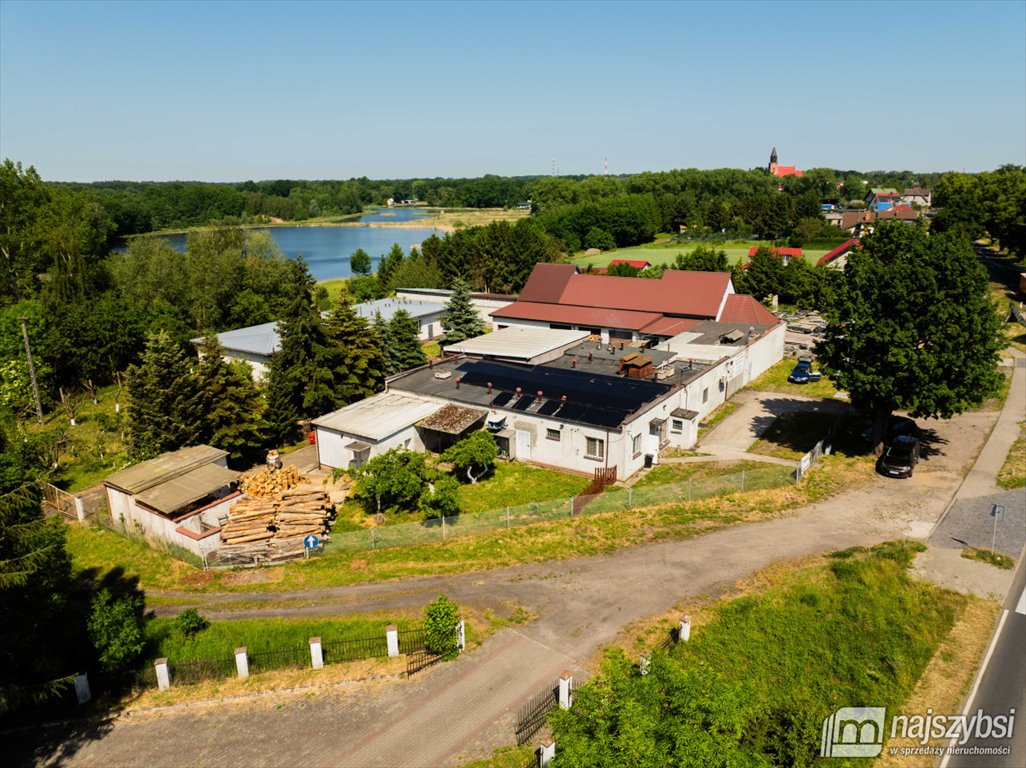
{"x": 326, "y": 250}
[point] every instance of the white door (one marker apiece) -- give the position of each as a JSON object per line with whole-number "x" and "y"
{"x": 523, "y": 445}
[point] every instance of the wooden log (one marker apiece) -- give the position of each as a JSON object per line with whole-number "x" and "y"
{"x": 251, "y": 537}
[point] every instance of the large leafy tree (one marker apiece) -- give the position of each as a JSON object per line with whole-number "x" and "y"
{"x": 473, "y": 456}
{"x": 461, "y": 320}
{"x": 392, "y": 481}
{"x": 704, "y": 258}
{"x": 22, "y": 197}
{"x": 911, "y": 327}
{"x": 361, "y": 368}
{"x": 163, "y": 410}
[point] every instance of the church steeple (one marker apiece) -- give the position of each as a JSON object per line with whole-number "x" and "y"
{"x": 773, "y": 156}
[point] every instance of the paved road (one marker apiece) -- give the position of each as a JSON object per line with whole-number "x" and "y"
{"x": 1001, "y": 684}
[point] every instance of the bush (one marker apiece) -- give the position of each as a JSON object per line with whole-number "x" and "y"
{"x": 599, "y": 238}
{"x": 116, "y": 629}
{"x": 189, "y": 622}
{"x": 443, "y": 499}
{"x": 478, "y": 451}
{"x": 441, "y": 618}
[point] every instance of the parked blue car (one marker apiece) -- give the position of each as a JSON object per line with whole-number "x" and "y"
{"x": 802, "y": 373}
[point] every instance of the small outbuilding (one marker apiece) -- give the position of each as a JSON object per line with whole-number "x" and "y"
{"x": 181, "y": 497}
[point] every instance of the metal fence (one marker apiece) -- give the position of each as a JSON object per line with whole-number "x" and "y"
{"x": 352, "y": 650}
{"x": 198, "y": 670}
{"x": 531, "y": 716}
{"x": 612, "y": 500}
{"x": 297, "y": 657}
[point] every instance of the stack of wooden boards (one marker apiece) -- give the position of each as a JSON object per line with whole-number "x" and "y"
{"x": 270, "y": 480}
{"x": 290, "y": 514}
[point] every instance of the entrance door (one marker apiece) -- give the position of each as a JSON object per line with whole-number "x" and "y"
{"x": 523, "y": 445}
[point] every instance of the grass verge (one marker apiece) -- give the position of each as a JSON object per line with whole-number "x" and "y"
{"x": 1013, "y": 471}
{"x": 754, "y": 683}
{"x": 989, "y": 556}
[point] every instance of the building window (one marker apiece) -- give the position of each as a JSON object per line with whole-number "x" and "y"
{"x": 677, "y": 425}
{"x": 552, "y": 434}
{"x": 637, "y": 445}
{"x": 595, "y": 448}
{"x": 705, "y": 395}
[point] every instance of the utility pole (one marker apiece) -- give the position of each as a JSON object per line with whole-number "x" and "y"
{"x": 32, "y": 369}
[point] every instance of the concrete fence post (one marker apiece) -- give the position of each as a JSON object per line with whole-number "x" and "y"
{"x": 565, "y": 681}
{"x": 547, "y": 753}
{"x": 684, "y": 631}
{"x": 507, "y": 517}
{"x": 461, "y": 636}
{"x": 163, "y": 674}
{"x": 242, "y": 662}
{"x": 742, "y": 481}
{"x": 643, "y": 663}
{"x": 630, "y": 498}
{"x": 316, "y": 653}
{"x": 80, "y": 509}
{"x": 392, "y": 638}
{"x": 82, "y": 692}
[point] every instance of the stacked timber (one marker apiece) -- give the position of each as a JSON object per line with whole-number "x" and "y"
{"x": 270, "y": 481}
{"x": 291, "y": 514}
{"x": 249, "y": 520}
{"x": 301, "y": 512}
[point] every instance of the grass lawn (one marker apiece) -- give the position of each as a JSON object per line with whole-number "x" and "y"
{"x": 775, "y": 380}
{"x": 221, "y": 638}
{"x": 664, "y": 252}
{"x": 1013, "y": 471}
{"x": 514, "y": 483}
{"x": 1001, "y": 295}
{"x": 762, "y": 670}
{"x": 699, "y": 470}
{"x": 793, "y": 435}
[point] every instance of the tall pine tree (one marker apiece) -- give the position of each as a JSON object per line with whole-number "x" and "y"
{"x": 389, "y": 265}
{"x": 231, "y": 406}
{"x": 404, "y": 345}
{"x": 299, "y": 382}
{"x": 383, "y": 335}
{"x": 162, "y": 403}
{"x": 361, "y": 369}
{"x": 460, "y": 321}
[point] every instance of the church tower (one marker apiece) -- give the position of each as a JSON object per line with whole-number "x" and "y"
{"x": 773, "y": 161}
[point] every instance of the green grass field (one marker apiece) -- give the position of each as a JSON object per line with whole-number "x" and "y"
{"x": 513, "y": 483}
{"x": 665, "y": 252}
{"x": 775, "y": 380}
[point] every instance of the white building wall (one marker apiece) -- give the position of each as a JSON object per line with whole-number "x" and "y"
{"x": 765, "y": 352}
{"x": 332, "y": 452}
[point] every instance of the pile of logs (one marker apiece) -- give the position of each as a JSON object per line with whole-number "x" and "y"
{"x": 290, "y": 514}
{"x": 270, "y": 481}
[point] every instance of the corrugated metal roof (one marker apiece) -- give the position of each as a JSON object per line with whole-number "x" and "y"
{"x": 379, "y": 416}
{"x": 178, "y": 492}
{"x": 388, "y": 307}
{"x": 255, "y": 340}
{"x": 148, "y": 474}
{"x": 518, "y": 342}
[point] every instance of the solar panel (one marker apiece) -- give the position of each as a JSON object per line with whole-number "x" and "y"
{"x": 523, "y": 403}
{"x": 549, "y": 407}
{"x": 502, "y": 398}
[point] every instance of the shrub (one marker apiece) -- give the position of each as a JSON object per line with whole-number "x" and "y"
{"x": 443, "y": 499}
{"x": 189, "y": 622}
{"x": 441, "y": 618}
{"x": 116, "y": 629}
{"x": 477, "y": 452}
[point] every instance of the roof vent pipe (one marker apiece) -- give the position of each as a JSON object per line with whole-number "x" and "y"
{"x": 573, "y": 361}
{"x": 540, "y": 394}
{"x": 489, "y": 387}
{"x": 519, "y": 390}
{"x": 458, "y": 380}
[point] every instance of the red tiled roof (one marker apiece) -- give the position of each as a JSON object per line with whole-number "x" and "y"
{"x": 633, "y": 262}
{"x": 742, "y": 308}
{"x": 792, "y": 252}
{"x": 787, "y": 170}
{"x": 693, "y": 294}
{"x": 547, "y": 282}
{"x": 901, "y": 212}
{"x": 844, "y": 247}
{"x": 594, "y": 317}
{"x": 670, "y": 326}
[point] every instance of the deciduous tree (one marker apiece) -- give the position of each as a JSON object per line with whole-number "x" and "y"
{"x": 911, "y": 327}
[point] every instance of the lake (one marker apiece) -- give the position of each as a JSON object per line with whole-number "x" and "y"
{"x": 326, "y": 250}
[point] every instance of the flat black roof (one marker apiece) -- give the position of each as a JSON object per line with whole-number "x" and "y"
{"x": 592, "y": 398}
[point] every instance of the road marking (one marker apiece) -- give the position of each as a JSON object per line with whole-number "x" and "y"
{"x": 1020, "y": 607}
{"x": 979, "y": 679}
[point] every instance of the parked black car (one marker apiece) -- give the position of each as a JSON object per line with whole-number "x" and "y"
{"x": 896, "y": 427}
{"x": 900, "y": 457}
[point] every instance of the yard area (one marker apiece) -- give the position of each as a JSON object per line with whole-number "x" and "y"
{"x": 513, "y": 483}
{"x": 793, "y": 435}
{"x": 775, "y": 380}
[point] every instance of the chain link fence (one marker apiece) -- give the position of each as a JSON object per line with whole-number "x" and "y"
{"x": 613, "y": 499}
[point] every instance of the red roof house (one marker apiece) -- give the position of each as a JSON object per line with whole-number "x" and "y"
{"x": 842, "y": 250}
{"x": 558, "y": 295}
{"x": 631, "y": 262}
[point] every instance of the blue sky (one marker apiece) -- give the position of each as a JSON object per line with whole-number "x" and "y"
{"x": 235, "y": 91}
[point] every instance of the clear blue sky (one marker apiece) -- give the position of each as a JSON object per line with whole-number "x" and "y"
{"x": 235, "y": 91}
